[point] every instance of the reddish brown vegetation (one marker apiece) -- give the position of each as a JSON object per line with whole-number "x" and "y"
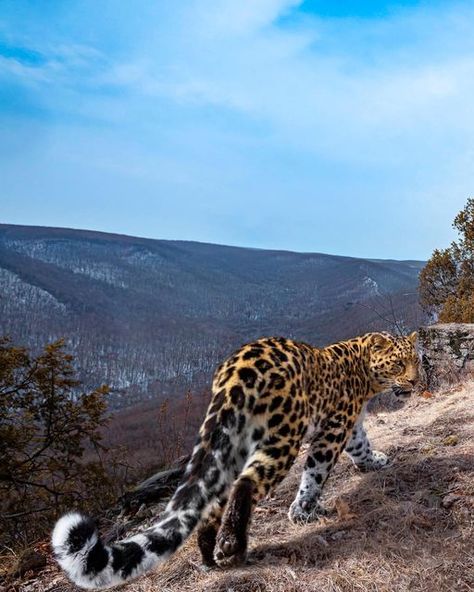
{"x": 50, "y": 442}
{"x": 447, "y": 281}
{"x": 149, "y": 437}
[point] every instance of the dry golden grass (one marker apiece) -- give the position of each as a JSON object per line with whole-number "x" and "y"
{"x": 408, "y": 528}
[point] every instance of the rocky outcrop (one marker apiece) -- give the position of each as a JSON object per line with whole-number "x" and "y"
{"x": 447, "y": 353}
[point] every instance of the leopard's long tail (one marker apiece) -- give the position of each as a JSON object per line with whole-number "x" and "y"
{"x": 91, "y": 564}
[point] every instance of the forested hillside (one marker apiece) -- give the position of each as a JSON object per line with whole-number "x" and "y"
{"x": 152, "y": 317}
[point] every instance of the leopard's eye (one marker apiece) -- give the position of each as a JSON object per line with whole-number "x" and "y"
{"x": 398, "y": 365}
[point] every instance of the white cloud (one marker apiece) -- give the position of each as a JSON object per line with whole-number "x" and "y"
{"x": 224, "y": 19}
{"x": 252, "y": 102}
{"x": 305, "y": 83}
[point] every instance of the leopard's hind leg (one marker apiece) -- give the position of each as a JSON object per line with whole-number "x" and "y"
{"x": 208, "y": 529}
{"x": 264, "y": 470}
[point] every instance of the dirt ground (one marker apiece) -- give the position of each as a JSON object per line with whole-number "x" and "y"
{"x": 407, "y": 528}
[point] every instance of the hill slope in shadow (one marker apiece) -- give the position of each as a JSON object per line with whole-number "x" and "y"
{"x": 152, "y": 317}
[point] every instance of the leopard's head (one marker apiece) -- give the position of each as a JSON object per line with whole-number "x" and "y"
{"x": 394, "y": 363}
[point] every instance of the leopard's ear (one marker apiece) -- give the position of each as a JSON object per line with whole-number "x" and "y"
{"x": 380, "y": 342}
{"x": 413, "y": 337}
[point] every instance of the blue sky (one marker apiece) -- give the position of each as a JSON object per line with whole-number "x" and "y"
{"x": 335, "y": 126}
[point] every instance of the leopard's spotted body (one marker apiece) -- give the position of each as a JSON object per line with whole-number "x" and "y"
{"x": 266, "y": 398}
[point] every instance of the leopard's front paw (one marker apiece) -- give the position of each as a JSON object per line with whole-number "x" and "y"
{"x": 303, "y": 511}
{"x": 377, "y": 461}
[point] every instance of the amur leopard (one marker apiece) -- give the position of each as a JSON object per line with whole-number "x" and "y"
{"x": 267, "y": 397}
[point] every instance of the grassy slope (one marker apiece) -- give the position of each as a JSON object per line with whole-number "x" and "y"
{"x": 408, "y": 528}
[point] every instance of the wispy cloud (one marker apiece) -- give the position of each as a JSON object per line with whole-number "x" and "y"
{"x": 343, "y": 132}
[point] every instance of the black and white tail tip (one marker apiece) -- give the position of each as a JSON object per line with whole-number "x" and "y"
{"x": 75, "y": 539}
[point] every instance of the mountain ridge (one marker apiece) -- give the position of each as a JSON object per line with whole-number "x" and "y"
{"x": 152, "y": 317}
{"x": 31, "y": 228}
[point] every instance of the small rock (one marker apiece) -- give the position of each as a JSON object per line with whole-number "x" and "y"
{"x": 30, "y": 561}
{"x": 450, "y": 499}
{"x": 450, "y": 440}
{"x": 322, "y": 541}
